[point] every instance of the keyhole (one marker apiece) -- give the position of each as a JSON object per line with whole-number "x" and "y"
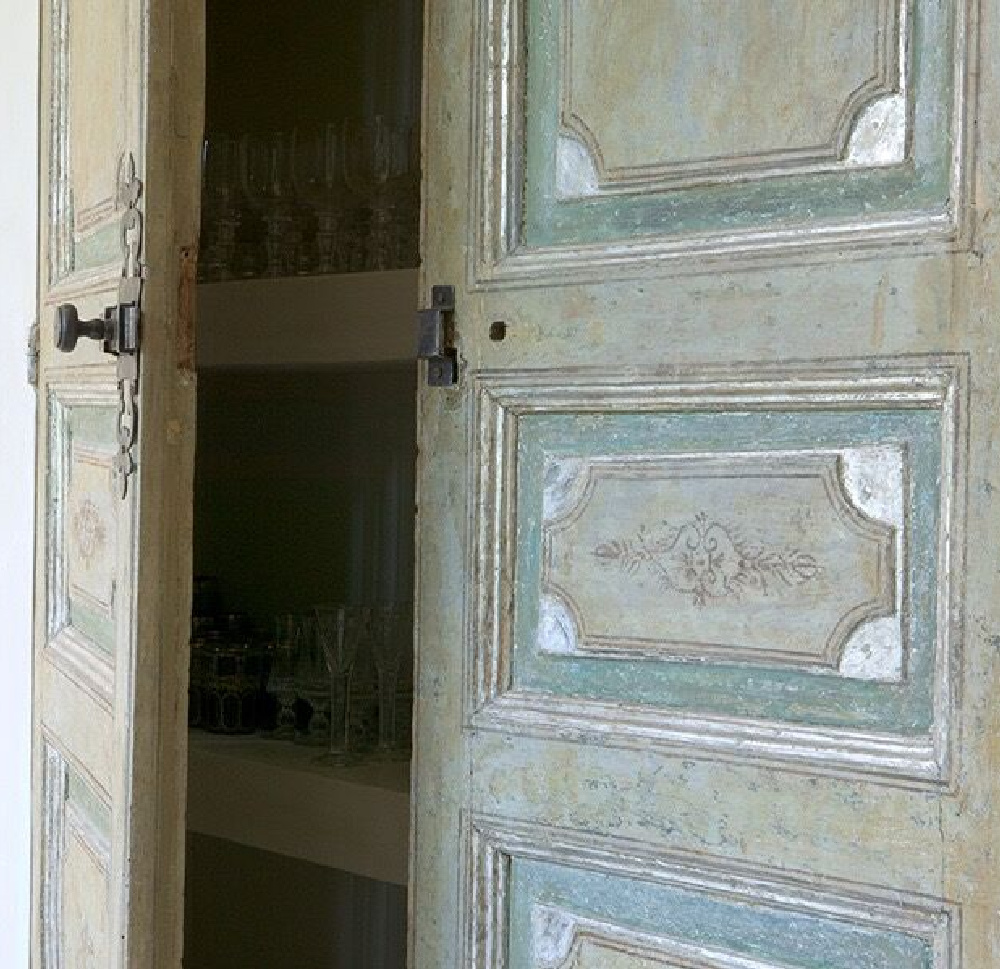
{"x": 498, "y": 330}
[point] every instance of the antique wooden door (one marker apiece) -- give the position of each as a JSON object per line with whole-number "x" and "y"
{"x": 709, "y": 608}
{"x": 121, "y": 106}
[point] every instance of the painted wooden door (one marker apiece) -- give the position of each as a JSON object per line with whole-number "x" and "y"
{"x": 708, "y": 590}
{"x": 120, "y": 132}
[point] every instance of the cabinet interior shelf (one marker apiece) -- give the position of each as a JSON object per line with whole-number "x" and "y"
{"x": 275, "y": 796}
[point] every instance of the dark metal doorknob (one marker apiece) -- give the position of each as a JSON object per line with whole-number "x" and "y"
{"x": 69, "y": 328}
{"x": 117, "y": 329}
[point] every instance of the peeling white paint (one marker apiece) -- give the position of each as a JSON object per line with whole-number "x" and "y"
{"x": 552, "y": 933}
{"x": 557, "y": 632}
{"x": 576, "y": 173}
{"x": 879, "y": 135}
{"x": 565, "y": 481}
{"x": 874, "y": 479}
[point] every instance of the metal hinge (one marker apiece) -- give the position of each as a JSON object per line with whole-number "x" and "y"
{"x": 436, "y": 338}
{"x": 32, "y": 353}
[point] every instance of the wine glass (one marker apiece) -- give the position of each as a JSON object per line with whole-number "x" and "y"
{"x": 220, "y": 216}
{"x": 358, "y": 153}
{"x": 281, "y": 239}
{"x": 254, "y": 172}
{"x": 391, "y": 642}
{"x": 311, "y": 685}
{"x": 329, "y": 198}
{"x": 281, "y": 682}
{"x": 339, "y": 630}
{"x": 394, "y": 194}
{"x": 307, "y": 168}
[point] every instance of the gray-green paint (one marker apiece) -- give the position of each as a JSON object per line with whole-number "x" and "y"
{"x": 922, "y": 184}
{"x": 791, "y": 696}
{"x": 745, "y": 927}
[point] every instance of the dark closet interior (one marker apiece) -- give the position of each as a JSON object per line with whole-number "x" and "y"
{"x": 301, "y": 682}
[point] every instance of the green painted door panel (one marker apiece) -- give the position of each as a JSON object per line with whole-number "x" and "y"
{"x": 707, "y": 603}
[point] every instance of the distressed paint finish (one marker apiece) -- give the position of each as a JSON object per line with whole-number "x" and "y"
{"x": 884, "y": 117}
{"x": 562, "y": 940}
{"x": 891, "y": 168}
{"x": 718, "y": 554}
{"x": 866, "y": 716}
{"x": 741, "y": 112}
{"x": 112, "y": 576}
{"x": 564, "y": 894}
{"x": 83, "y": 526}
{"x": 77, "y": 871}
{"x": 617, "y": 323}
{"x": 713, "y": 564}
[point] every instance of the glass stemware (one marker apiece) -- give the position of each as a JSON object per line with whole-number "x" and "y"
{"x": 282, "y": 237}
{"x": 358, "y": 147}
{"x": 311, "y": 686}
{"x": 391, "y": 641}
{"x": 339, "y": 630}
{"x": 332, "y": 198}
{"x": 220, "y": 216}
{"x": 281, "y": 682}
{"x": 307, "y": 167}
{"x": 330, "y": 203}
{"x": 254, "y": 168}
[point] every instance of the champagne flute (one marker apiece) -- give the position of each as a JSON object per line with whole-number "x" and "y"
{"x": 281, "y": 682}
{"x": 339, "y": 629}
{"x": 330, "y": 201}
{"x": 281, "y": 239}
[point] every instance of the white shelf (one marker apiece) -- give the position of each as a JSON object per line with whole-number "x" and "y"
{"x": 304, "y": 321}
{"x": 273, "y": 795}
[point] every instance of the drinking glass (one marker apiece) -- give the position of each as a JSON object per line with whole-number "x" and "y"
{"x": 220, "y": 216}
{"x": 282, "y": 237}
{"x": 281, "y": 682}
{"x": 307, "y": 165}
{"x": 339, "y": 630}
{"x": 383, "y": 210}
{"x": 358, "y": 153}
{"x": 328, "y": 198}
{"x": 254, "y": 181}
{"x": 391, "y": 643}
{"x": 311, "y": 686}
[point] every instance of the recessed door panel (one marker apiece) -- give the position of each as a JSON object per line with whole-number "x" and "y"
{"x": 571, "y": 903}
{"x": 76, "y": 898}
{"x": 83, "y": 533}
{"x": 741, "y": 111}
{"x": 718, "y": 561}
{"x": 85, "y": 147}
{"x": 621, "y": 133}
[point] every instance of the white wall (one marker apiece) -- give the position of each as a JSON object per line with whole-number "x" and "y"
{"x": 18, "y": 77}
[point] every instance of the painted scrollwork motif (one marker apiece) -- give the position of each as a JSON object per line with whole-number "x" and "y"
{"x": 709, "y": 560}
{"x": 89, "y": 531}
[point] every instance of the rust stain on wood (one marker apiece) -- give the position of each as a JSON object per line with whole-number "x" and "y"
{"x": 186, "y": 308}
